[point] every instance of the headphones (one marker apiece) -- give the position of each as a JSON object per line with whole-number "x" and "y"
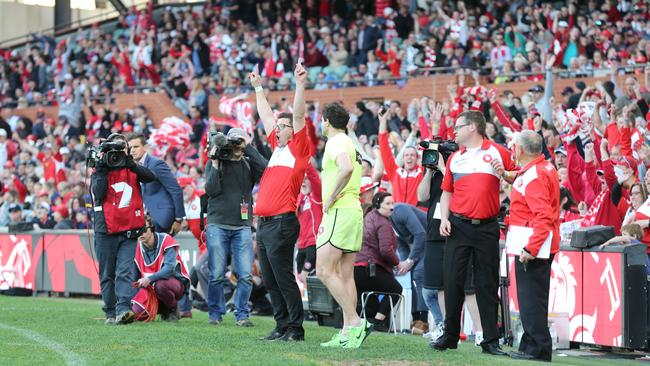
{"x": 378, "y": 199}
{"x": 113, "y": 136}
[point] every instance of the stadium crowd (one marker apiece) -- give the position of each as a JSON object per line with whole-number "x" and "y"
{"x": 595, "y": 135}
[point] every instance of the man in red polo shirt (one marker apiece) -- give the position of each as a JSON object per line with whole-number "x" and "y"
{"x": 534, "y": 237}
{"x": 276, "y": 207}
{"x": 469, "y": 207}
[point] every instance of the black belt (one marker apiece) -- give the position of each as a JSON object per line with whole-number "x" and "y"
{"x": 474, "y": 221}
{"x": 134, "y": 233}
{"x": 277, "y": 217}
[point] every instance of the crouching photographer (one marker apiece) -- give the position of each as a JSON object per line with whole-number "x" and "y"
{"x": 232, "y": 171}
{"x": 119, "y": 220}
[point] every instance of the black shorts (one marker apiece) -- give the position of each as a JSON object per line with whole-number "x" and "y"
{"x": 306, "y": 259}
{"x": 434, "y": 254}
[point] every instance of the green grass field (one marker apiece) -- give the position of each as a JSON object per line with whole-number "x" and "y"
{"x": 55, "y": 331}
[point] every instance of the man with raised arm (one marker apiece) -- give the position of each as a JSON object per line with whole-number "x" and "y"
{"x": 276, "y": 207}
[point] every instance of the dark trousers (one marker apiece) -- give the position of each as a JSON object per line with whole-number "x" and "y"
{"x": 481, "y": 241}
{"x": 532, "y": 291}
{"x": 383, "y": 281}
{"x": 117, "y": 269}
{"x": 275, "y": 242}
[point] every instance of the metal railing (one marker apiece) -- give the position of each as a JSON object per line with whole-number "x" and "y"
{"x": 71, "y": 27}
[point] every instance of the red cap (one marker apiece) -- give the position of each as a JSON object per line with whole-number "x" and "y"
{"x": 62, "y": 210}
{"x": 185, "y": 181}
{"x": 127, "y": 128}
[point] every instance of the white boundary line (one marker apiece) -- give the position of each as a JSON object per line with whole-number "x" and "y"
{"x": 69, "y": 357}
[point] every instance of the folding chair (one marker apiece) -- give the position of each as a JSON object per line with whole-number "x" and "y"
{"x": 393, "y": 306}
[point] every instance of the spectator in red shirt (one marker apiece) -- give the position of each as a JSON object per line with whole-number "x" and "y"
{"x": 405, "y": 180}
{"x": 310, "y": 214}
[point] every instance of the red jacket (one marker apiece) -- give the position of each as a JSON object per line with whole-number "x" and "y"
{"x": 603, "y": 211}
{"x": 405, "y": 184}
{"x": 535, "y": 202}
{"x": 310, "y": 210}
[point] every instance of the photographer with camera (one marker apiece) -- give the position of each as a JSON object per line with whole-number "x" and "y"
{"x": 119, "y": 219}
{"x": 430, "y": 191}
{"x": 235, "y": 166}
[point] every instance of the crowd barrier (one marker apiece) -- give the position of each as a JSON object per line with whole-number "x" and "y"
{"x": 603, "y": 292}
{"x": 61, "y": 261}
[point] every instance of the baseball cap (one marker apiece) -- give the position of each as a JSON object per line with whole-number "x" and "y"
{"x": 14, "y": 207}
{"x": 44, "y": 205}
{"x": 560, "y": 150}
{"x": 367, "y": 184}
{"x": 64, "y": 150}
{"x": 567, "y": 91}
{"x": 536, "y": 89}
{"x": 236, "y": 134}
{"x": 62, "y": 210}
{"x": 185, "y": 181}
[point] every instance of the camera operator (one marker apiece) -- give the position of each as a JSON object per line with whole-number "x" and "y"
{"x": 119, "y": 218}
{"x": 429, "y": 190}
{"x": 232, "y": 171}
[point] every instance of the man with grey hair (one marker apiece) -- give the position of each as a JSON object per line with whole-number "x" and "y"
{"x": 535, "y": 198}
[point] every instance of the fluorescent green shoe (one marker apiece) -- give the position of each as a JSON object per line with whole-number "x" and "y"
{"x": 356, "y": 335}
{"x": 337, "y": 341}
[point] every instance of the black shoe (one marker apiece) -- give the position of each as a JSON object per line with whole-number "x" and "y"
{"x": 378, "y": 325}
{"x": 521, "y": 356}
{"x": 444, "y": 343}
{"x": 275, "y": 335}
{"x": 293, "y": 335}
{"x": 173, "y": 316}
{"x": 493, "y": 349}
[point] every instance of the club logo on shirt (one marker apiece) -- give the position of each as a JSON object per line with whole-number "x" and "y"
{"x": 321, "y": 230}
{"x": 487, "y": 158}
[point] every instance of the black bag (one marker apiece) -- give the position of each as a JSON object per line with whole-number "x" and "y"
{"x": 204, "y": 211}
{"x": 587, "y": 237}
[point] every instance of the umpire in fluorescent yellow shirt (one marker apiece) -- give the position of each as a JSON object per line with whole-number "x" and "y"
{"x": 341, "y": 231}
